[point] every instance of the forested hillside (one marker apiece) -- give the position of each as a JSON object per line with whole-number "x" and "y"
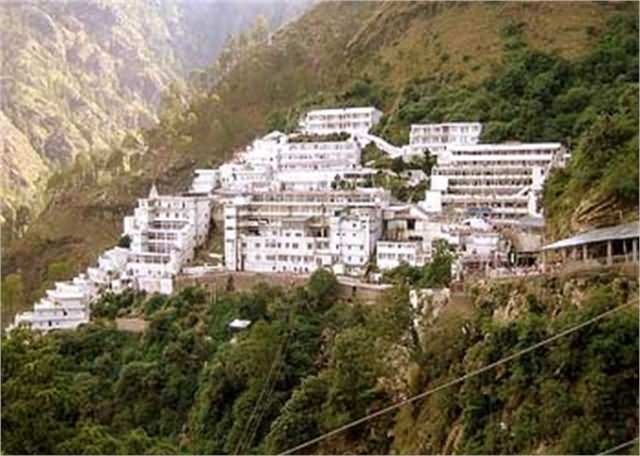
{"x": 77, "y": 76}
{"x": 311, "y": 362}
{"x": 529, "y": 71}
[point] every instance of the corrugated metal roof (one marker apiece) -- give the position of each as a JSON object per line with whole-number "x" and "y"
{"x": 625, "y": 231}
{"x": 532, "y": 222}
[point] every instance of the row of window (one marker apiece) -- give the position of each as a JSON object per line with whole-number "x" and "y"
{"x": 494, "y": 163}
{"x": 503, "y": 152}
{"x": 396, "y": 256}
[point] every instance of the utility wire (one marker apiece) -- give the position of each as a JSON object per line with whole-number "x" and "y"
{"x": 619, "y": 447}
{"x": 241, "y": 445}
{"x": 252, "y": 435}
{"x": 267, "y": 382}
{"x": 455, "y": 381}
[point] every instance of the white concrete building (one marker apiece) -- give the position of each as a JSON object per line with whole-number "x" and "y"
{"x": 205, "y": 181}
{"x": 501, "y": 182}
{"x": 279, "y": 152}
{"x": 349, "y": 120}
{"x": 164, "y": 232}
{"x": 111, "y": 266}
{"x": 352, "y": 238}
{"x": 437, "y": 137}
{"x": 242, "y": 177}
{"x": 391, "y": 254}
{"x": 321, "y": 180}
{"x": 300, "y": 231}
{"x": 319, "y": 155}
{"x": 64, "y": 307}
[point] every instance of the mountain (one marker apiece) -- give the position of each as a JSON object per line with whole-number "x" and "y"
{"x": 529, "y": 71}
{"x": 77, "y": 76}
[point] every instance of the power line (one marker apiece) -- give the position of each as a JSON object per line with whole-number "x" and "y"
{"x": 455, "y": 381}
{"x": 619, "y": 447}
{"x": 252, "y": 435}
{"x": 242, "y": 441}
{"x": 266, "y": 385}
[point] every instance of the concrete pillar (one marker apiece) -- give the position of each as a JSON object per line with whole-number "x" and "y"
{"x": 634, "y": 250}
{"x": 564, "y": 255}
{"x": 585, "y": 252}
{"x": 609, "y": 253}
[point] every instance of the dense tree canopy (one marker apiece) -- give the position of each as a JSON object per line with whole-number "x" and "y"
{"x": 310, "y": 362}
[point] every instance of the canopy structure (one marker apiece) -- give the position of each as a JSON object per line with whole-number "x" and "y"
{"x": 619, "y": 232}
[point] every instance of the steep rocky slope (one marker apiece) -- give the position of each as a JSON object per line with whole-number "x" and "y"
{"x": 76, "y": 76}
{"x": 403, "y": 57}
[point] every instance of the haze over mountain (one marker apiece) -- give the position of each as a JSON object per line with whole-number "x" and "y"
{"x": 77, "y": 76}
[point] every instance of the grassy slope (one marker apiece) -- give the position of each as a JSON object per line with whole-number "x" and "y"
{"x": 322, "y": 53}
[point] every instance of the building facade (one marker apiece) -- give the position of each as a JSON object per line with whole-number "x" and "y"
{"x": 164, "y": 232}
{"x": 501, "y": 182}
{"x": 349, "y": 120}
{"x": 293, "y": 231}
{"x": 437, "y": 137}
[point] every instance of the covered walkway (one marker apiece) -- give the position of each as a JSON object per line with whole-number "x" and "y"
{"x": 604, "y": 246}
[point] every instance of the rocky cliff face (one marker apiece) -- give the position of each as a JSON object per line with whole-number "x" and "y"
{"x": 76, "y": 76}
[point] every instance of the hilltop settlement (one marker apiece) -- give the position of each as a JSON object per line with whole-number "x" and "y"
{"x": 298, "y": 202}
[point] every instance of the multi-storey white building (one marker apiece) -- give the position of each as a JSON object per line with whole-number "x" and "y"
{"x": 301, "y": 231}
{"x": 390, "y": 254}
{"x": 164, "y": 232}
{"x": 349, "y": 120}
{"x": 437, "y": 137}
{"x": 501, "y": 182}
{"x": 353, "y": 234}
{"x": 205, "y": 181}
{"x": 111, "y": 266}
{"x": 282, "y": 153}
{"x": 242, "y": 177}
{"x": 64, "y": 307}
{"x": 319, "y": 155}
{"x": 321, "y": 180}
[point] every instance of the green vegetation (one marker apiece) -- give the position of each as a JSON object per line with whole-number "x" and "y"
{"x": 124, "y": 241}
{"x": 319, "y": 138}
{"x": 311, "y": 361}
{"x": 435, "y": 274}
{"x": 590, "y": 105}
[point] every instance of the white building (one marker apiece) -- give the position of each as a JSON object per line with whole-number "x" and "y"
{"x": 64, "y": 307}
{"x": 349, "y": 120}
{"x": 300, "y": 231}
{"x": 437, "y": 137}
{"x": 321, "y": 180}
{"x": 204, "y": 182}
{"x": 164, "y": 232}
{"x": 319, "y": 155}
{"x": 353, "y": 234}
{"x": 390, "y": 254}
{"x": 501, "y": 182}
{"x": 279, "y": 152}
{"x": 242, "y": 177}
{"x": 111, "y": 266}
